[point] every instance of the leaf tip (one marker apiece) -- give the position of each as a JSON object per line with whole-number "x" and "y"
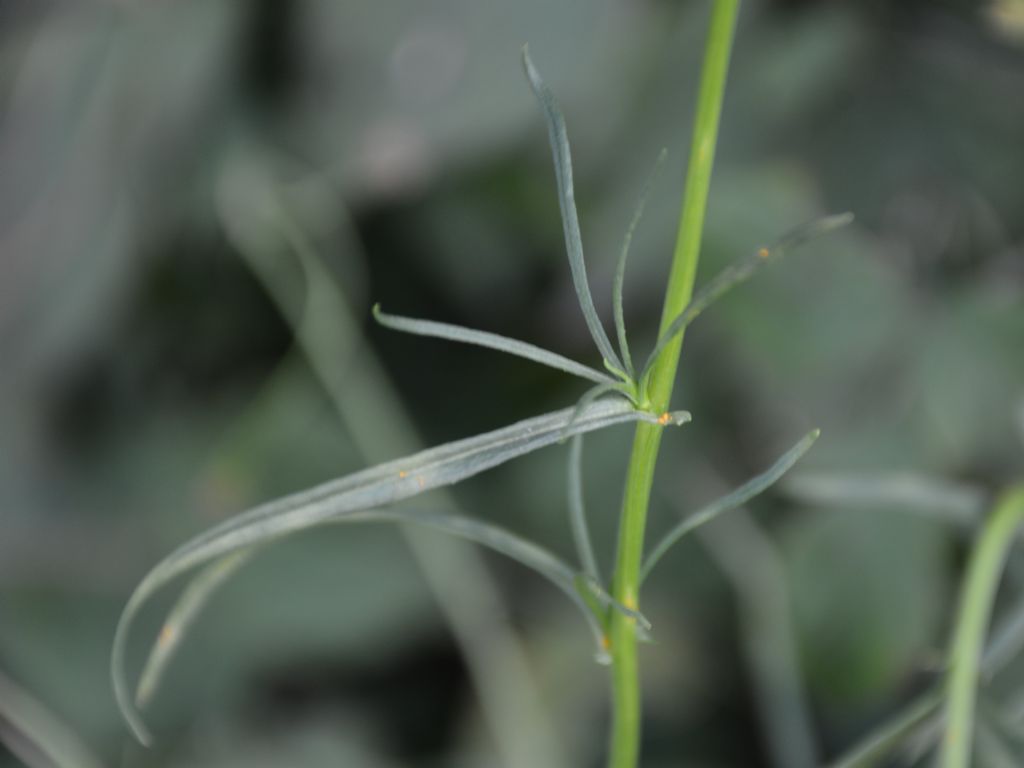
{"x": 678, "y": 418}
{"x": 531, "y": 71}
{"x": 138, "y": 728}
{"x": 836, "y": 221}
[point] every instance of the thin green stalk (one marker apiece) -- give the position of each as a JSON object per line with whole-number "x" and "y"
{"x": 625, "y": 738}
{"x": 981, "y": 582}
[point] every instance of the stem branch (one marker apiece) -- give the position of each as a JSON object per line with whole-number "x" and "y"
{"x": 625, "y": 738}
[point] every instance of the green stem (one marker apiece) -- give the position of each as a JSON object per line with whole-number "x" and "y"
{"x": 625, "y": 738}
{"x": 979, "y": 592}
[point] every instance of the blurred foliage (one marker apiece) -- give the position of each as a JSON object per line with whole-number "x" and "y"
{"x": 149, "y": 387}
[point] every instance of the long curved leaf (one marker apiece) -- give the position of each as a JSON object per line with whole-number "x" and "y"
{"x": 201, "y": 588}
{"x": 620, "y": 269}
{"x": 181, "y": 618}
{"x": 740, "y": 272}
{"x": 36, "y": 735}
{"x": 559, "y": 140}
{"x": 378, "y": 486}
{"x": 491, "y": 341}
{"x": 736, "y": 498}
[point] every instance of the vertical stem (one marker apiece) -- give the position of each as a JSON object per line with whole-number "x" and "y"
{"x": 979, "y": 592}
{"x": 625, "y": 738}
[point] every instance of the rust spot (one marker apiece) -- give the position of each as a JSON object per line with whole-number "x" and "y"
{"x": 402, "y": 474}
{"x": 665, "y": 418}
{"x": 606, "y": 644}
{"x": 763, "y": 253}
{"x": 167, "y": 635}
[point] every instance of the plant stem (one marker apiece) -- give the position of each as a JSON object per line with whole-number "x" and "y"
{"x": 625, "y": 739}
{"x": 979, "y": 592}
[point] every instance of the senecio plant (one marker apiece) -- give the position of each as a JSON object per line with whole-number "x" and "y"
{"x": 622, "y": 392}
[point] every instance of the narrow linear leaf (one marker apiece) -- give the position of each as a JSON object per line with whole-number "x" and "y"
{"x": 736, "y": 498}
{"x": 741, "y": 271}
{"x": 181, "y": 618}
{"x": 525, "y": 552}
{"x": 620, "y": 269}
{"x": 35, "y": 735}
{"x": 559, "y": 139}
{"x": 491, "y": 341}
{"x": 932, "y": 497}
{"x": 378, "y": 486}
{"x": 577, "y": 511}
{"x": 590, "y": 396}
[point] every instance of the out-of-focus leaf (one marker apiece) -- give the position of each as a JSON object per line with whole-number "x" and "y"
{"x": 36, "y": 735}
{"x": 929, "y": 496}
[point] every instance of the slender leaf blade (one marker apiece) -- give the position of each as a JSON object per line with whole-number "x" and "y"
{"x": 740, "y": 272}
{"x": 181, "y": 618}
{"x": 458, "y": 333}
{"x": 36, "y": 735}
{"x": 559, "y": 140}
{"x": 355, "y": 494}
{"x": 577, "y": 511}
{"x": 500, "y": 540}
{"x": 620, "y": 268}
{"x": 732, "y": 500}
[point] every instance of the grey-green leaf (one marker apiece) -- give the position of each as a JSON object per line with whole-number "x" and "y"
{"x": 732, "y": 500}
{"x": 33, "y": 733}
{"x": 525, "y": 552}
{"x": 182, "y": 617}
{"x": 741, "y": 271}
{"x": 620, "y": 268}
{"x": 378, "y": 486}
{"x": 559, "y": 140}
{"x": 951, "y": 502}
{"x": 577, "y": 511}
{"x": 491, "y": 341}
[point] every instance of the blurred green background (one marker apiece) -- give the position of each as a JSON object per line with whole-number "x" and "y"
{"x": 150, "y": 384}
